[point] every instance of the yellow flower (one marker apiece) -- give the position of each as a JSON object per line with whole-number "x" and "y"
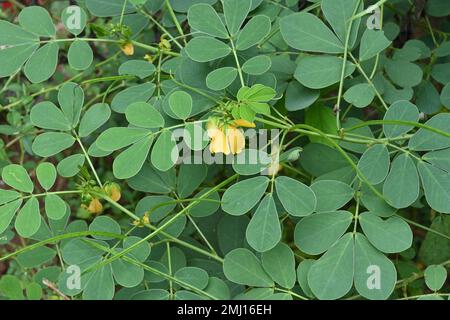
{"x": 149, "y": 58}
{"x": 225, "y": 139}
{"x": 218, "y": 140}
{"x": 236, "y": 139}
{"x": 142, "y": 222}
{"x": 244, "y": 123}
{"x": 127, "y": 48}
{"x": 95, "y": 206}
{"x": 113, "y": 191}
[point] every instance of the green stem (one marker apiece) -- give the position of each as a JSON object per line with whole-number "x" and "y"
{"x": 348, "y": 32}
{"x": 88, "y": 160}
{"x": 238, "y": 65}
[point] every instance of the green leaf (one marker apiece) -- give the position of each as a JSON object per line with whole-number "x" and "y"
{"x": 298, "y": 97}
{"x": 154, "y": 204}
{"x": 218, "y": 288}
{"x": 316, "y": 233}
{"x": 11, "y": 287}
{"x": 46, "y": 175}
{"x": 120, "y": 137}
{"x": 235, "y": 12}
{"x": 231, "y": 232}
{"x": 105, "y": 224}
{"x": 256, "y": 93}
{"x": 237, "y": 200}
{"x": 70, "y": 166}
{"x": 322, "y": 118}
{"x": 437, "y": 8}
{"x": 144, "y": 115}
{"x": 390, "y": 236}
{"x": 165, "y": 151}
{"x": 401, "y": 187}
{"x": 445, "y": 96}
{"x": 302, "y": 276}
{"x": 190, "y": 176}
{"x": 440, "y": 73}
{"x": 17, "y": 177}
{"x": 331, "y": 277}
{"x": 428, "y": 100}
{"x": 36, "y": 257}
{"x": 139, "y": 68}
{"x": 435, "y": 276}
{"x": 28, "y": 219}
{"x": 46, "y": 115}
{"x": 42, "y": 64}
{"x": 403, "y": 111}
{"x": 243, "y": 267}
{"x": 94, "y": 118}
{"x": 427, "y": 253}
{"x": 360, "y": 95}
{"x": 331, "y": 195}
{"x": 374, "y": 163}
{"x": 204, "y": 18}
{"x": 279, "y": 263}
{"x": 221, "y": 78}
{"x": 20, "y": 45}
{"x": 137, "y": 93}
{"x": 107, "y": 8}
{"x": 264, "y": 230}
{"x": 306, "y": 32}
{"x": 403, "y": 73}
{"x": 257, "y": 65}
{"x": 51, "y": 143}
{"x": 151, "y": 180}
{"x": 436, "y": 184}
{"x": 439, "y": 159}
{"x": 151, "y": 294}
{"x": 7, "y": 212}
{"x": 141, "y": 252}
{"x": 317, "y": 72}
{"x": 126, "y": 274}
{"x": 129, "y": 162}
{"x": 375, "y": 274}
{"x": 74, "y": 19}
{"x": 298, "y": 199}
{"x": 71, "y": 100}
{"x": 364, "y": 131}
{"x": 180, "y": 103}
{"x": 100, "y": 285}
{"x": 204, "y": 49}
{"x": 206, "y": 208}
{"x": 8, "y": 196}
{"x": 372, "y": 43}
{"x": 55, "y": 207}
{"x": 80, "y": 55}
{"x": 37, "y": 20}
{"x": 250, "y": 162}
{"x": 193, "y": 276}
{"x": 338, "y": 13}
{"x": 253, "y": 32}
{"x": 425, "y": 140}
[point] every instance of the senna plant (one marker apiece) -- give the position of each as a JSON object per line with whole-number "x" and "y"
{"x": 225, "y": 149}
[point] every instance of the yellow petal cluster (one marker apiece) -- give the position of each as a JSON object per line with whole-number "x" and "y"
{"x": 127, "y": 48}
{"x": 225, "y": 139}
{"x": 95, "y": 206}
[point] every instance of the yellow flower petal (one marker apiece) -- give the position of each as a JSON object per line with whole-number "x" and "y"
{"x": 128, "y": 48}
{"x": 218, "y": 141}
{"x": 244, "y": 123}
{"x": 236, "y": 140}
{"x": 95, "y": 206}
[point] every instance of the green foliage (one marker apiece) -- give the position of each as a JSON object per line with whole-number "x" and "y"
{"x": 127, "y": 150}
